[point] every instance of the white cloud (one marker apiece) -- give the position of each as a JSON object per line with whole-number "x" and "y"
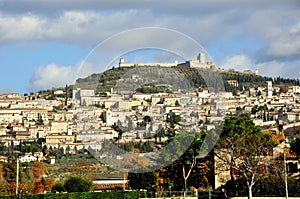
{"x": 243, "y": 62}
{"x": 53, "y": 75}
{"x": 50, "y": 76}
{"x": 237, "y": 62}
{"x": 21, "y": 27}
{"x": 273, "y": 25}
{"x": 276, "y": 68}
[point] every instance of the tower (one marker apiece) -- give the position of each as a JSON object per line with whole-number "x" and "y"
{"x": 121, "y": 62}
{"x": 269, "y": 89}
{"x": 201, "y": 58}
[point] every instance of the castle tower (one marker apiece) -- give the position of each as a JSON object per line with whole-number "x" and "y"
{"x": 201, "y": 58}
{"x": 121, "y": 62}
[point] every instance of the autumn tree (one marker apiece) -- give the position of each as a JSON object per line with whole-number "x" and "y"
{"x": 37, "y": 170}
{"x": 243, "y": 148}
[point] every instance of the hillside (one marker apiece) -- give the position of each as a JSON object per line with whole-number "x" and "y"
{"x": 103, "y": 82}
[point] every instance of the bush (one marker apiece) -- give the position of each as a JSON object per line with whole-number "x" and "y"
{"x": 81, "y": 195}
{"x": 59, "y": 187}
{"x": 78, "y": 184}
{"x": 265, "y": 186}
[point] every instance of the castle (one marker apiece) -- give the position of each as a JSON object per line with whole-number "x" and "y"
{"x": 200, "y": 62}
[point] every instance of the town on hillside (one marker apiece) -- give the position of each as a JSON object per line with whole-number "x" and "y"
{"x": 49, "y": 126}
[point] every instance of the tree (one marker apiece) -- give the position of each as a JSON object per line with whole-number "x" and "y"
{"x": 59, "y": 187}
{"x": 243, "y": 148}
{"x": 295, "y": 146}
{"x": 10, "y": 171}
{"x": 37, "y": 170}
{"x": 185, "y": 164}
{"x": 118, "y": 129}
{"x": 47, "y": 183}
{"x": 78, "y": 184}
{"x": 272, "y": 185}
{"x": 147, "y": 119}
{"x": 172, "y": 122}
{"x": 142, "y": 180}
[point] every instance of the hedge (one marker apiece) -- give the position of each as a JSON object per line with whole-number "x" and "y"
{"x": 80, "y": 195}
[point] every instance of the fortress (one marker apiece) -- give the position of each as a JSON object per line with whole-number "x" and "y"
{"x": 162, "y": 64}
{"x": 200, "y": 62}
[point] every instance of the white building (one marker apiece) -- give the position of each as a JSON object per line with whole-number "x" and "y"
{"x": 200, "y": 62}
{"x": 162, "y": 64}
{"x": 28, "y": 158}
{"x": 269, "y": 89}
{"x": 86, "y": 97}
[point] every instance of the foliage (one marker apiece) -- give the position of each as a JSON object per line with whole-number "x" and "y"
{"x": 81, "y": 195}
{"x": 295, "y": 146}
{"x": 59, "y": 187}
{"x": 265, "y": 186}
{"x": 172, "y": 121}
{"x": 142, "y": 180}
{"x": 10, "y": 170}
{"x": 78, "y": 184}
{"x": 37, "y": 169}
{"x": 243, "y": 148}
{"x": 187, "y": 166}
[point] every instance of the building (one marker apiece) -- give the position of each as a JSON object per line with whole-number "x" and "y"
{"x": 200, "y": 62}
{"x": 161, "y": 64}
{"x": 269, "y": 89}
{"x": 104, "y": 182}
{"x": 28, "y": 158}
{"x": 86, "y": 97}
{"x": 234, "y": 83}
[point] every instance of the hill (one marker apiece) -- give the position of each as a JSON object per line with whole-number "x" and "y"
{"x": 103, "y": 82}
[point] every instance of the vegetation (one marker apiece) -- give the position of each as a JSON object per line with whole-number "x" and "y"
{"x": 196, "y": 77}
{"x": 295, "y": 146}
{"x": 188, "y": 170}
{"x": 32, "y": 178}
{"x": 78, "y": 184}
{"x": 80, "y": 195}
{"x": 142, "y": 180}
{"x": 243, "y": 148}
{"x": 272, "y": 185}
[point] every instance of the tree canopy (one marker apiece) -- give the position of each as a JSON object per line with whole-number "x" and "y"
{"x": 243, "y": 148}
{"x": 295, "y": 146}
{"x": 78, "y": 184}
{"x": 142, "y": 180}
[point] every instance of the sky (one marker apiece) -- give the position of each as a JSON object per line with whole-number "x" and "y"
{"x": 45, "y": 43}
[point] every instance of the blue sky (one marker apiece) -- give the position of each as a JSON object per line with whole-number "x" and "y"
{"x": 43, "y": 43}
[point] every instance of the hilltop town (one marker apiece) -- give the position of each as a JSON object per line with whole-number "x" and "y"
{"x": 86, "y": 118}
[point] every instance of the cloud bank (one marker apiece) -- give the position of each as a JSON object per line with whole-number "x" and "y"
{"x": 274, "y": 25}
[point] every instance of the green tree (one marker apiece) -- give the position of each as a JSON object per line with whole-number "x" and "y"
{"x": 59, "y": 187}
{"x": 147, "y": 119}
{"x": 295, "y": 146}
{"x": 185, "y": 164}
{"x": 172, "y": 121}
{"x": 243, "y": 147}
{"x": 142, "y": 180}
{"x": 78, "y": 184}
{"x": 119, "y": 130}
